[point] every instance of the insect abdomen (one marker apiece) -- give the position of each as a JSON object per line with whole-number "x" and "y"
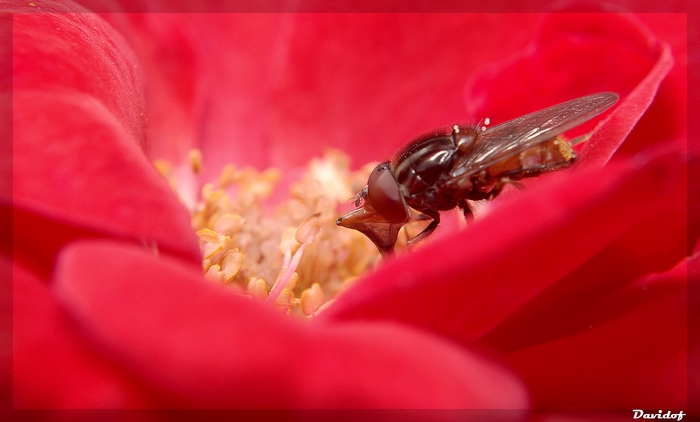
{"x": 547, "y": 156}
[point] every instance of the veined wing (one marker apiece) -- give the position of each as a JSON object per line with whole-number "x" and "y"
{"x": 507, "y": 139}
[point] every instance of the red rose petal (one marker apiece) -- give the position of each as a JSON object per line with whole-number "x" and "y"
{"x": 276, "y": 89}
{"x": 652, "y": 246}
{"x": 78, "y": 130}
{"x": 6, "y": 360}
{"x": 636, "y": 359}
{"x": 203, "y": 346}
{"x": 63, "y": 50}
{"x": 465, "y": 284}
{"x": 667, "y": 117}
{"x": 78, "y": 168}
{"x": 574, "y": 55}
{"x": 578, "y": 54}
{"x": 312, "y": 74}
{"x": 614, "y": 131}
{"x": 52, "y": 367}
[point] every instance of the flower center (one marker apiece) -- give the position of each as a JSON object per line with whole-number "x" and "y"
{"x": 291, "y": 255}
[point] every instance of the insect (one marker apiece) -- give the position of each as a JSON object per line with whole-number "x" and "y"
{"x": 446, "y": 168}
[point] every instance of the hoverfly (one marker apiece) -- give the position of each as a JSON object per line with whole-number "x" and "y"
{"x": 446, "y": 168}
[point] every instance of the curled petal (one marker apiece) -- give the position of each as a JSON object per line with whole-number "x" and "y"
{"x": 469, "y": 282}
{"x": 60, "y": 49}
{"x": 202, "y": 346}
{"x": 574, "y": 55}
{"x": 78, "y": 152}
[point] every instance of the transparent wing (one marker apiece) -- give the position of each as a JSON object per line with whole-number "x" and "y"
{"x": 507, "y": 139}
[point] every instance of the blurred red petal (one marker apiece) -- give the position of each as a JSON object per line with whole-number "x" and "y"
{"x": 276, "y": 89}
{"x": 468, "y": 282}
{"x": 653, "y": 245}
{"x": 203, "y": 346}
{"x": 6, "y": 358}
{"x": 78, "y": 135}
{"x": 635, "y": 359}
{"x": 52, "y": 367}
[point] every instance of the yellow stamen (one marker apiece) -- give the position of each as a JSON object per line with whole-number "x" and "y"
{"x": 214, "y": 273}
{"x": 308, "y": 229}
{"x": 231, "y": 263}
{"x": 257, "y": 288}
{"x": 208, "y": 235}
{"x": 245, "y": 242}
{"x": 195, "y": 158}
{"x": 289, "y": 242}
{"x": 311, "y": 299}
{"x": 229, "y": 224}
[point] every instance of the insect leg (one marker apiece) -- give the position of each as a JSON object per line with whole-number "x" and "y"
{"x": 467, "y": 211}
{"x": 431, "y": 227}
{"x": 496, "y": 190}
{"x": 489, "y": 195}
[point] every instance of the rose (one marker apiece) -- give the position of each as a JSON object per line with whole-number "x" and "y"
{"x": 132, "y": 329}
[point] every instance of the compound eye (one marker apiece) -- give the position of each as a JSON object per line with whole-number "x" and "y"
{"x": 385, "y": 196}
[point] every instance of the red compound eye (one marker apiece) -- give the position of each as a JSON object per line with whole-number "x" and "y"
{"x": 384, "y": 194}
